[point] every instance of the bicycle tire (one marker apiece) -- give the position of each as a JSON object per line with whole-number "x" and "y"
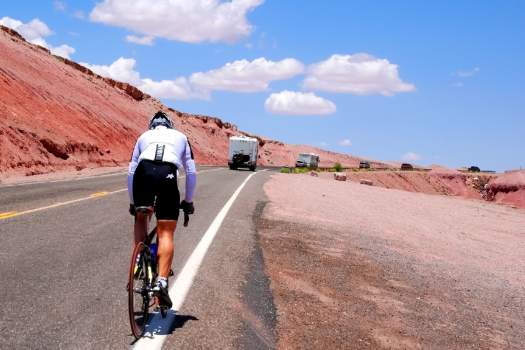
{"x": 139, "y": 283}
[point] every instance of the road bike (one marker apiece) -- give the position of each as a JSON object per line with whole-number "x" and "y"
{"x": 143, "y": 272}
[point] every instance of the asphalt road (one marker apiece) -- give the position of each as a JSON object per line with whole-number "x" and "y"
{"x": 63, "y": 267}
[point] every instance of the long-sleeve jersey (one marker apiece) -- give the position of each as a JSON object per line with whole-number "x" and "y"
{"x": 167, "y": 145}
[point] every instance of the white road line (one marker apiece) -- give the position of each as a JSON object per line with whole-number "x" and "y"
{"x": 158, "y": 327}
{"x": 92, "y": 196}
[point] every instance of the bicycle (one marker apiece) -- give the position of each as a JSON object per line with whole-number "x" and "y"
{"x": 143, "y": 273}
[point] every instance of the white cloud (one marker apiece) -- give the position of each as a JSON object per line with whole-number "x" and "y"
{"x": 59, "y": 5}
{"x": 468, "y": 73}
{"x": 298, "y": 103}
{"x": 345, "y": 142}
{"x": 239, "y": 76}
{"x": 360, "y": 74}
{"x": 324, "y": 144}
{"x": 462, "y": 75}
{"x": 63, "y": 50}
{"x": 247, "y": 76}
{"x": 189, "y": 21}
{"x": 62, "y": 6}
{"x": 411, "y": 157}
{"x": 123, "y": 69}
{"x": 35, "y": 31}
{"x": 79, "y": 14}
{"x": 140, "y": 40}
{"x": 172, "y": 89}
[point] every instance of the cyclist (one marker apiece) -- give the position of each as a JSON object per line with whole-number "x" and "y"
{"x": 152, "y": 182}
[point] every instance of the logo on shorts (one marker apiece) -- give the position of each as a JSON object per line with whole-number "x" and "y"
{"x": 170, "y": 176}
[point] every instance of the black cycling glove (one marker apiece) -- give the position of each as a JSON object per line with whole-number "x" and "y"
{"x": 132, "y": 209}
{"x": 188, "y": 208}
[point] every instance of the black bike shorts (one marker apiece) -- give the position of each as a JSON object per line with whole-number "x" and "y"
{"x": 155, "y": 185}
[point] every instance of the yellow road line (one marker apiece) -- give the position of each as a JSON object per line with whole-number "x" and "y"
{"x": 8, "y": 214}
{"x": 59, "y": 204}
{"x": 99, "y": 194}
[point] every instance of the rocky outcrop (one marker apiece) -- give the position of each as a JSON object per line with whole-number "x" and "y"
{"x": 55, "y": 149}
{"x": 12, "y": 33}
{"x": 509, "y": 182}
{"x": 366, "y": 182}
{"x": 340, "y": 176}
{"x": 508, "y": 188}
{"x": 77, "y": 66}
{"x": 132, "y": 91}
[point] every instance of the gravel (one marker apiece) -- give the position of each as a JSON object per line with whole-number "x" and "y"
{"x": 355, "y": 266}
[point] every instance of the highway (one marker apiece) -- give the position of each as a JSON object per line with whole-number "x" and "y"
{"x": 65, "y": 252}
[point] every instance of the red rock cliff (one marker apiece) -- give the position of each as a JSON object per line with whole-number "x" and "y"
{"x": 56, "y": 114}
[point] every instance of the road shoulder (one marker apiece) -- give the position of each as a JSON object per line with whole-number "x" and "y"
{"x": 230, "y": 297}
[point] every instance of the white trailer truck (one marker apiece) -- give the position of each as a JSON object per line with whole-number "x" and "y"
{"x": 309, "y": 160}
{"x": 243, "y": 152}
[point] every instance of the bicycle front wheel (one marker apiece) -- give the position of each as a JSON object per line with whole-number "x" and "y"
{"x": 139, "y": 284}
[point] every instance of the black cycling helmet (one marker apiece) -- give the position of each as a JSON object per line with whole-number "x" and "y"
{"x": 160, "y": 118}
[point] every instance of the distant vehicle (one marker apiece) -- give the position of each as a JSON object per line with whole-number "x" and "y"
{"x": 474, "y": 169}
{"x": 309, "y": 160}
{"x": 364, "y": 164}
{"x": 243, "y": 152}
{"x": 407, "y": 166}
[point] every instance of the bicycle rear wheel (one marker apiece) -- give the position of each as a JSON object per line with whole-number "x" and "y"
{"x": 139, "y": 286}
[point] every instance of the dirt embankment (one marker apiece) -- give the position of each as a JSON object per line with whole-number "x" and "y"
{"x": 508, "y": 188}
{"x": 361, "y": 267}
{"x": 451, "y": 183}
{"x": 58, "y": 115}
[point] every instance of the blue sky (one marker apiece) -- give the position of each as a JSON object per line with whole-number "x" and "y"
{"x": 431, "y": 82}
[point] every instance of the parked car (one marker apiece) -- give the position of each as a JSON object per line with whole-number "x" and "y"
{"x": 364, "y": 164}
{"x": 474, "y": 169}
{"x": 309, "y": 160}
{"x": 243, "y": 152}
{"x": 407, "y": 166}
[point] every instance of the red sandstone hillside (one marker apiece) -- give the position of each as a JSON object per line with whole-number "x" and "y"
{"x": 58, "y": 115}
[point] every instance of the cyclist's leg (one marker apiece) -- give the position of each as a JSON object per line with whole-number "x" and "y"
{"x": 141, "y": 220}
{"x": 165, "y": 230}
{"x": 167, "y": 211}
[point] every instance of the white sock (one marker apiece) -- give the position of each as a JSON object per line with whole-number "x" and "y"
{"x": 163, "y": 281}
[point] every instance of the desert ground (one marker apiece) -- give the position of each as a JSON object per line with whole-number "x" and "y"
{"x": 362, "y": 267}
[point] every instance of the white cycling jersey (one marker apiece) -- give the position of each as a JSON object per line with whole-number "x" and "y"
{"x": 167, "y": 145}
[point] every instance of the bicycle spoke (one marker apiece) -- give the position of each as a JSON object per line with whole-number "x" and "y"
{"x": 138, "y": 290}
